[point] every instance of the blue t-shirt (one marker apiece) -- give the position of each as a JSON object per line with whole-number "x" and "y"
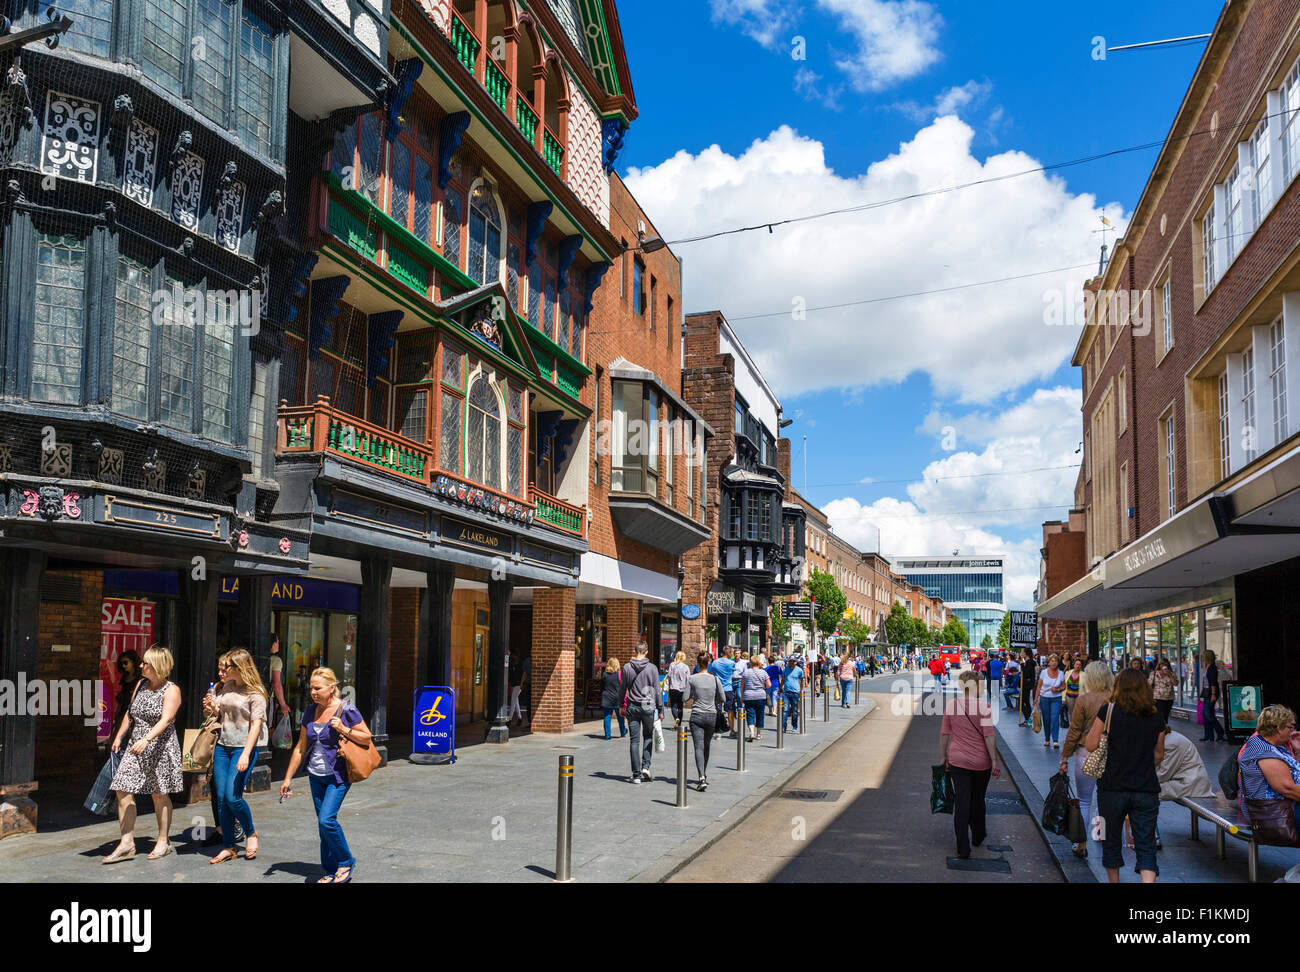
{"x": 793, "y": 678}
{"x": 774, "y": 673}
{"x": 723, "y": 668}
{"x": 995, "y": 668}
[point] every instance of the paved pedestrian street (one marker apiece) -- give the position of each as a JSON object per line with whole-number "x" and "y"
{"x": 489, "y": 817}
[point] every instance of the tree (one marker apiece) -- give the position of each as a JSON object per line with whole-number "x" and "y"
{"x": 919, "y": 633}
{"x": 954, "y": 633}
{"x": 831, "y": 601}
{"x": 854, "y": 632}
{"x": 987, "y": 643}
{"x": 779, "y": 626}
{"x": 898, "y": 626}
{"x": 1004, "y": 633}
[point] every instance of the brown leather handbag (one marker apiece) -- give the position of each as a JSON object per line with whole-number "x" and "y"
{"x": 1273, "y": 821}
{"x": 361, "y": 760}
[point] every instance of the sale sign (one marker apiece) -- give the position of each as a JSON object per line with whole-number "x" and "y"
{"x": 123, "y": 625}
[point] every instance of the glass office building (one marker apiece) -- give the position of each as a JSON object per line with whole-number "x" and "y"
{"x": 970, "y": 587}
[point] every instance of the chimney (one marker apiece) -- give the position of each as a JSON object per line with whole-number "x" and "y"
{"x": 783, "y": 460}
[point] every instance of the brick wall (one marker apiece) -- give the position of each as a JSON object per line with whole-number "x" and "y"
{"x": 65, "y": 744}
{"x": 403, "y": 642}
{"x": 1060, "y": 637}
{"x": 552, "y": 646}
{"x": 623, "y": 617}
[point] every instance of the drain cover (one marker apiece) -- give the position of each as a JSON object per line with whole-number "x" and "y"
{"x": 815, "y": 796}
{"x": 1004, "y": 803}
{"x": 993, "y": 865}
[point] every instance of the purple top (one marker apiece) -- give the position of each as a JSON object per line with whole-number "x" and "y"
{"x": 328, "y": 740}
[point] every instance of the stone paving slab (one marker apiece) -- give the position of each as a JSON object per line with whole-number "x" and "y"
{"x": 489, "y": 817}
{"x": 1181, "y": 860}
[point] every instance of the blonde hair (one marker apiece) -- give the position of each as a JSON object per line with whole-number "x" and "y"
{"x": 611, "y": 664}
{"x": 160, "y": 659}
{"x": 681, "y": 657}
{"x": 966, "y": 678}
{"x": 327, "y": 674}
{"x": 1097, "y": 677}
{"x": 1273, "y": 720}
{"x": 241, "y": 661}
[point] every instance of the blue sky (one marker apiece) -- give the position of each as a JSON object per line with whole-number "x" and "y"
{"x": 891, "y": 97}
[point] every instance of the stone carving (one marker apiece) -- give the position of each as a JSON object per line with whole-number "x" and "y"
{"x": 111, "y": 463}
{"x": 154, "y": 471}
{"x": 196, "y": 483}
{"x": 57, "y": 460}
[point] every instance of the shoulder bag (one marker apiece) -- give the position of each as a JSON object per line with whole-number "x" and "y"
{"x": 360, "y": 760}
{"x": 200, "y": 744}
{"x": 1095, "y": 763}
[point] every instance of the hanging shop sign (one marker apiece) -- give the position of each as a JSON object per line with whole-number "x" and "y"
{"x": 433, "y": 725}
{"x": 720, "y": 602}
{"x": 482, "y": 499}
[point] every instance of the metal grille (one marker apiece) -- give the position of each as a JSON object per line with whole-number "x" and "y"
{"x": 813, "y": 796}
{"x": 60, "y": 589}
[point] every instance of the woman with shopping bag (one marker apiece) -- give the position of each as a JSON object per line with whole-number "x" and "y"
{"x": 151, "y": 762}
{"x": 328, "y": 725}
{"x": 968, "y": 749}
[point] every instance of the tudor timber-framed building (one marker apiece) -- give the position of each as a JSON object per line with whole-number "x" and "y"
{"x": 422, "y": 216}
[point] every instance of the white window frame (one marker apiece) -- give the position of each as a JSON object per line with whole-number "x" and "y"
{"x": 1277, "y": 379}
{"x": 1121, "y": 399}
{"x": 1261, "y": 174}
{"x": 1290, "y": 123}
{"x": 1234, "y": 218}
{"x": 1208, "y": 242}
{"x": 1248, "y": 417}
{"x": 1166, "y": 308}
{"x": 1225, "y": 429}
{"x": 1171, "y": 453}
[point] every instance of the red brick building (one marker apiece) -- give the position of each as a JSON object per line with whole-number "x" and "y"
{"x": 1190, "y": 382}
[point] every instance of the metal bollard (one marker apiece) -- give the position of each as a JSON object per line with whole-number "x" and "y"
{"x": 780, "y": 720}
{"x": 803, "y": 718}
{"x": 681, "y": 764}
{"x": 564, "y": 822}
{"x": 740, "y": 738}
{"x": 857, "y": 687}
{"x": 826, "y": 707}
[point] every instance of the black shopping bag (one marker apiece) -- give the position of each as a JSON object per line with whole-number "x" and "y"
{"x": 1075, "y": 829}
{"x": 941, "y": 793}
{"x": 1056, "y": 808}
{"x": 100, "y": 799}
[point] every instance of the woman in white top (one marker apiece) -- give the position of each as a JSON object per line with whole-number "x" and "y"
{"x": 1051, "y": 682}
{"x": 678, "y": 673}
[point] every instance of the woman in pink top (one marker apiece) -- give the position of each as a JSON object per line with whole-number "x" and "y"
{"x": 847, "y": 673}
{"x": 968, "y": 749}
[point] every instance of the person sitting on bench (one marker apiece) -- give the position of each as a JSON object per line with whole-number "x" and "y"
{"x": 1270, "y": 772}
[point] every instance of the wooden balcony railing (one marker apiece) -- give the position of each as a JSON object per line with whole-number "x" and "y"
{"x": 526, "y": 119}
{"x": 463, "y": 41}
{"x": 552, "y": 151}
{"x": 323, "y": 428}
{"x": 557, "y": 512}
{"x": 497, "y": 84}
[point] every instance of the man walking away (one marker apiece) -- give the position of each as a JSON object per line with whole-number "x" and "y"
{"x": 724, "y": 666}
{"x": 644, "y": 702}
{"x": 790, "y": 682}
{"x": 994, "y": 675}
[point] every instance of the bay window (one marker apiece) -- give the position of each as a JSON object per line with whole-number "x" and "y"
{"x": 58, "y": 338}
{"x": 451, "y": 408}
{"x": 483, "y": 433}
{"x": 132, "y": 330}
{"x": 486, "y": 235}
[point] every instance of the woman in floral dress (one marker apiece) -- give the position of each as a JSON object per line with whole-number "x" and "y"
{"x": 152, "y": 763}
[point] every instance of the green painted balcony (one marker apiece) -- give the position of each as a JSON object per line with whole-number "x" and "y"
{"x": 463, "y": 41}
{"x": 526, "y": 119}
{"x": 497, "y": 84}
{"x": 552, "y": 151}
{"x": 556, "y": 512}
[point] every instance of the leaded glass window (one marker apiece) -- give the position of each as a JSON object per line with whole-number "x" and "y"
{"x": 423, "y": 221}
{"x": 214, "y": 28}
{"x": 58, "y": 337}
{"x": 322, "y": 377}
{"x": 451, "y": 228}
{"x": 452, "y": 370}
{"x": 412, "y": 362}
{"x": 372, "y": 159}
{"x": 399, "y": 204}
{"x": 564, "y": 320}
{"x": 535, "y": 296}
{"x": 484, "y": 235}
{"x": 512, "y": 274}
{"x": 548, "y": 309}
{"x": 92, "y": 26}
{"x": 483, "y": 433}
{"x": 514, "y": 456}
{"x": 132, "y": 330}
{"x": 257, "y": 84}
{"x": 218, "y": 374}
{"x": 344, "y": 161}
{"x": 176, "y": 368}
{"x": 412, "y": 403}
{"x": 164, "y": 41}
{"x": 449, "y": 442}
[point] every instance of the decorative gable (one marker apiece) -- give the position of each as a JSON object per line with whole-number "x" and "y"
{"x": 587, "y": 176}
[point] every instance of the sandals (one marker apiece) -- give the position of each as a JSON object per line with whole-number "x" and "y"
{"x": 347, "y": 875}
{"x": 1080, "y": 851}
{"x": 229, "y": 854}
{"x": 256, "y": 851}
{"x": 154, "y": 855}
{"x": 120, "y": 853}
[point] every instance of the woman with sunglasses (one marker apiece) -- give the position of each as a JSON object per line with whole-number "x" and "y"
{"x": 129, "y": 676}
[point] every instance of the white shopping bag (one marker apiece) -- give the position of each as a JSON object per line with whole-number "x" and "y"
{"x": 659, "y": 735}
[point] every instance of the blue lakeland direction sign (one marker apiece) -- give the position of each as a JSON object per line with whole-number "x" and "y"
{"x": 433, "y": 726}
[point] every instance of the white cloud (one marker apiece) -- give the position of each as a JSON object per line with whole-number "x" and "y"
{"x": 895, "y": 40}
{"x": 975, "y": 344}
{"x": 958, "y": 100}
{"x": 1039, "y": 434}
{"x": 766, "y": 21}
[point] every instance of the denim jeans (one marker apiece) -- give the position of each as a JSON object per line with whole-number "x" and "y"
{"x": 641, "y": 720}
{"x": 1007, "y": 695}
{"x": 938, "y": 683}
{"x": 231, "y": 805}
{"x": 1142, "y": 810}
{"x": 622, "y": 726}
{"x": 1211, "y": 718}
{"x": 844, "y": 692}
{"x": 754, "y": 713}
{"x": 791, "y": 710}
{"x": 1086, "y": 788}
{"x": 1051, "y": 718}
{"x": 328, "y": 797}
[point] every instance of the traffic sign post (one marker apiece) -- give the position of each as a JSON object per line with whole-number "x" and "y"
{"x": 433, "y": 726}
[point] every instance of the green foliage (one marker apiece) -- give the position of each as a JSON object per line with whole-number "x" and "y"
{"x": 854, "y": 632}
{"x": 779, "y": 626}
{"x": 898, "y": 626}
{"x": 987, "y": 643}
{"x": 831, "y": 601}
{"x": 920, "y": 633}
{"x": 954, "y": 633}
{"x": 1004, "y": 633}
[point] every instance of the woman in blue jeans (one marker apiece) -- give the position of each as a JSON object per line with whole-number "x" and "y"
{"x": 1129, "y": 786}
{"x": 611, "y": 696}
{"x": 241, "y": 702}
{"x": 326, "y": 719}
{"x": 1051, "y": 685}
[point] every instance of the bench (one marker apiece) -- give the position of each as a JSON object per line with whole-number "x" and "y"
{"x": 1227, "y": 819}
